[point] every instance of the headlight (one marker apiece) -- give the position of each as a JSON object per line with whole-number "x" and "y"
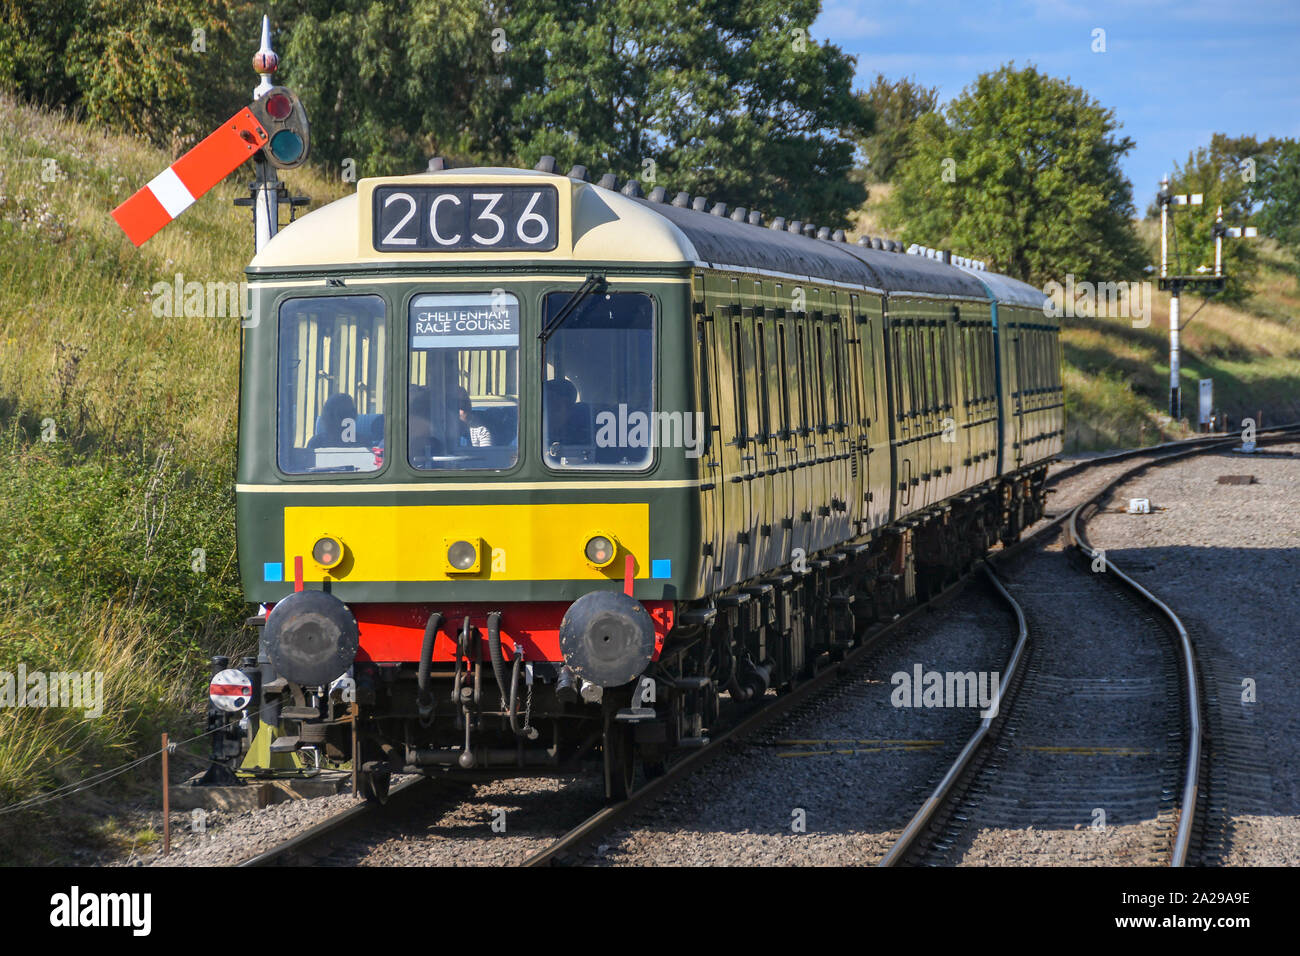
{"x": 462, "y": 555}
{"x": 328, "y": 551}
{"x": 600, "y": 550}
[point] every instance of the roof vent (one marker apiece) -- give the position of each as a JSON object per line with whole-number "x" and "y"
{"x": 810, "y": 230}
{"x": 755, "y": 217}
{"x": 579, "y": 173}
{"x": 608, "y": 181}
{"x": 878, "y": 243}
{"x": 778, "y": 223}
{"x": 864, "y": 241}
{"x": 738, "y": 214}
{"x": 437, "y": 164}
{"x": 824, "y": 232}
{"x": 719, "y": 209}
{"x": 838, "y": 236}
{"x": 545, "y": 165}
{"x": 914, "y": 250}
{"x": 796, "y": 227}
{"x": 682, "y": 200}
{"x": 658, "y": 194}
{"x": 700, "y": 203}
{"x": 632, "y": 188}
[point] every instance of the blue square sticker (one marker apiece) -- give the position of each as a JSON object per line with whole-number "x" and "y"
{"x": 661, "y": 568}
{"x": 273, "y": 571}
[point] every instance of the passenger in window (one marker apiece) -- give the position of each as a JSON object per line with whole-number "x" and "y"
{"x": 422, "y": 439}
{"x": 472, "y": 430}
{"x": 337, "y": 424}
{"x": 561, "y": 404}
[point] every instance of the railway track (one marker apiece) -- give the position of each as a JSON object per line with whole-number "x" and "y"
{"x": 314, "y": 843}
{"x": 969, "y": 785}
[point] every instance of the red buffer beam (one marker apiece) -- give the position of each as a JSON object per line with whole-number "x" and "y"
{"x": 173, "y": 190}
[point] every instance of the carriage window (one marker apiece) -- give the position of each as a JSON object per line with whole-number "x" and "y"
{"x": 463, "y": 381}
{"x": 598, "y": 385}
{"x": 764, "y": 422}
{"x": 820, "y": 394}
{"x": 802, "y": 368}
{"x": 784, "y": 375}
{"x": 738, "y": 374}
{"x": 841, "y": 418}
{"x": 330, "y": 407}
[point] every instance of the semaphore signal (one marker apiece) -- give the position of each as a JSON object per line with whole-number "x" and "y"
{"x": 1210, "y": 282}
{"x": 272, "y": 131}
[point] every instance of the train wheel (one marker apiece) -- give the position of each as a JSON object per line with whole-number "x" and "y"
{"x": 620, "y": 762}
{"x": 374, "y": 786}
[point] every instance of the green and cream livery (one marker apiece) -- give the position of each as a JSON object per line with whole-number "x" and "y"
{"x": 534, "y": 471}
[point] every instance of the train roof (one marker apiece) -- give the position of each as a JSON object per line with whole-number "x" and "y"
{"x": 597, "y": 224}
{"x": 1009, "y": 291}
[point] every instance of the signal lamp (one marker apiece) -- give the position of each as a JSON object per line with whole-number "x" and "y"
{"x": 328, "y": 552}
{"x": 282, "y": 116}
{"x": 600, "y": 550}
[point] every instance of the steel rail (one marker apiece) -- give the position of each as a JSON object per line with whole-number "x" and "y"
{"x": 916, "y": 825}
{"x": 606, "y": 818}
{"x": 1195, "y": 724}
{"x": 333, "y": 825}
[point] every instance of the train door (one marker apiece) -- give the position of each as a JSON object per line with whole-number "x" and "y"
{"x": 785, "y": 498}
{"x": 751, "y": 490}
{"x": 823, "y": 444}
{"x": 843, "y": 472}
{"x": 710, "y": 460}
{"x": 1016, "y": 362}
{"x": 874, "y": 446}
{"x": 856, "y": 331}
{"x": 804, "y": 440}
{"x": 763, "y": 486}
{"x": 732, "y": 422}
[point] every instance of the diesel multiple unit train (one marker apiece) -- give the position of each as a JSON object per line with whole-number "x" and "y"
{"x": 535, "y": 472}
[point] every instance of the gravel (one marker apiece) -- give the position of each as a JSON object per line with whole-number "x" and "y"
{"x": 1225, "y": 557}
{"x": 837, "y": 781}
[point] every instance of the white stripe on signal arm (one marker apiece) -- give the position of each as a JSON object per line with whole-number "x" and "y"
{"x": 168, "y": 189}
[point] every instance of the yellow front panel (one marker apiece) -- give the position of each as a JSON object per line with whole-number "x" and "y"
{"x": 520, "y": 542}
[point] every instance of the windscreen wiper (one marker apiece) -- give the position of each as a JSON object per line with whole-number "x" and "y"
{"x": 593, "y": 283}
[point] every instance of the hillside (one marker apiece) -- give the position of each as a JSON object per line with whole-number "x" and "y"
{"x": 116, "y": 450}
{"x": 1117, "y": 376}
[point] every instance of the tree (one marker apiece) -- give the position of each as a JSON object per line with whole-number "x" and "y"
{"x": 1278, "y": 191}
{"x": 897, "y": 106}
{"x": 162, "y": 69}
{"x": 389, "y": 83}
{"x": 1022, "y": 169}
{"x": 735, "y": 101}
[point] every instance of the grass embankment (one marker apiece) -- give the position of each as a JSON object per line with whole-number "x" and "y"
{"x": 117, "y": 445}
{"x": 1117, "y": 376}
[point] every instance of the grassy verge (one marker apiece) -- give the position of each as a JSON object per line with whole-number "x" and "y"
{"x": 116, "y": 456}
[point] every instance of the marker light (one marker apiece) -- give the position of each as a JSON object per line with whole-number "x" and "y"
{"x": 462, "y": 556}
{"x": 328, "y": 552}
{"x": 600, "y": 550}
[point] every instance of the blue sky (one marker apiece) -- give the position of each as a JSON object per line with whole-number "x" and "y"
{"x": 1173, "y": 72}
